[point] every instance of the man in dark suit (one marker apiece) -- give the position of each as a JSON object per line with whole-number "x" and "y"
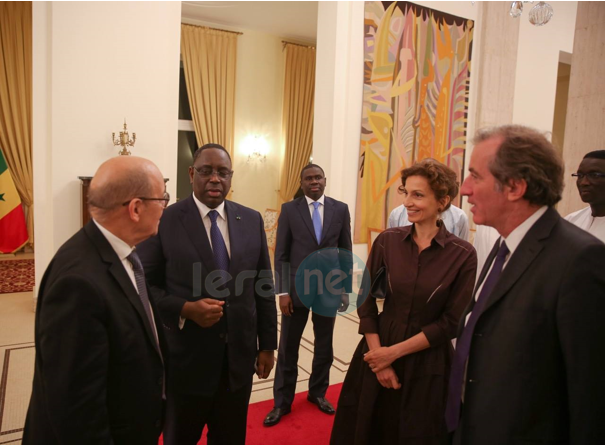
{"x": 313, "y": 233}
{"x": 99, "y": 374}
{"x": 210, "y": 264}
{"x": 529, "y": 361}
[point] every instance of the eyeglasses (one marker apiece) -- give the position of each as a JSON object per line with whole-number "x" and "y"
{"x": 204, "y": 172}
{"x": 164, "y": 199}
{"x": 591, "y": 176}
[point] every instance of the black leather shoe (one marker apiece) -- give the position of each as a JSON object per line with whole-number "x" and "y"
{"x": 322, "y": 403}
{"x": 274, "y": 416}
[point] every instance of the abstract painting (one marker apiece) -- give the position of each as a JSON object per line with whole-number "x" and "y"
{"x": 417, "y": 64}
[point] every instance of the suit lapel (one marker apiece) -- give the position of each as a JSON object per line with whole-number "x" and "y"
{"x": 303, "y": 209}
{"x": 329, "y": 211}
{"x": 237, "y": 239}
{"x": 119, "y": 273}
{"x": 523, "y": 256}
{"x": 117, "y": 270}
{"x": 194, "y": 228}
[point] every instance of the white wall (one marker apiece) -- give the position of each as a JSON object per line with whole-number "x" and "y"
{"x": 259, "y": 92}
{"x": 94, "y": 64}
{"x": 537, "y": 68}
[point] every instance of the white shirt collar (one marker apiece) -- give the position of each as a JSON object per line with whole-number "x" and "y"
{"x": 121, "y": 248}
{"x": 516, "y": 236}
{"x": 310, "y": 201}
{"x": 204, "y": 210}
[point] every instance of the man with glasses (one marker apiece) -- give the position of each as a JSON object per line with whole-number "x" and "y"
{"x": 590, "y": 183}
{"x": 100, "y": 350}
{"x": 210, "y": 264}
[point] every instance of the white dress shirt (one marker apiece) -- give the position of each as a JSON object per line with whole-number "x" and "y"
{"x": 221, "y": 221}
{"x": 513, "y": 242}
{"x": 483, "y": 241}
{"x": 122, "y": 249}
{"x": 223, "y": 228}
{"x": 320, "y": 208}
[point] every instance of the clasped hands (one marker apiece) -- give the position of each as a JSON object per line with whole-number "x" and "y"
{"x": 379, "y": 360}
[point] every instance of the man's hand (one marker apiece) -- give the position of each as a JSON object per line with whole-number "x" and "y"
{"x": 388, "y": 378}
{"x": 265, "y": 363}
{"x": 204, "y": 312}
{"x": 344, "y": 302}
{"x": 380, "y": 358}
{"x": 286, "y": 306}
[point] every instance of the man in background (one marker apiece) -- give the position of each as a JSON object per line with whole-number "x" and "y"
{"x": 590, "y": 183}
{"x": 529, "y": 360}
{"x": 313, "y": 231}
{"x": 454, "y": 219}
{"x": 210, "y": 266}
{"x": 99, "y": 374}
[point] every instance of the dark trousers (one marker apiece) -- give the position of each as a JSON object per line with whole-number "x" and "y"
{"x": 225, "y": 413}
{"x": 292, "y": 328}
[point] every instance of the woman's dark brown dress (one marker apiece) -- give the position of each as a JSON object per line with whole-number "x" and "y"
{"x": 426, "y": 292}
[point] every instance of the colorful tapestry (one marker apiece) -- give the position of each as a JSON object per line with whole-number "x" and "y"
{"x": 416, "y": 91}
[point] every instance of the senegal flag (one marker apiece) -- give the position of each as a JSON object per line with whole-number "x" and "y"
{"x": 13, "y": 231}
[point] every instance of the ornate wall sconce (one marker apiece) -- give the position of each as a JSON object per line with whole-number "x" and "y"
{"x": 256, "y": 147}
{"x": 124, "y": 140}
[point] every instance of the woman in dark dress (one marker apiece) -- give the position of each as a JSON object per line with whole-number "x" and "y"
{"x": 395, "y": 389}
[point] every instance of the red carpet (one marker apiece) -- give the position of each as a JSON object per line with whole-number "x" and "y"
{"x": 17, "y": 276}
{"x": 305, "y": 425}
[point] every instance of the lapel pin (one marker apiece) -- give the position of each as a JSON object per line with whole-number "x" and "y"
{"x": 237, "y": 217}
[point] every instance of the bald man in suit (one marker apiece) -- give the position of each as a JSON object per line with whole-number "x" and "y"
{"x": 100, "y": 350}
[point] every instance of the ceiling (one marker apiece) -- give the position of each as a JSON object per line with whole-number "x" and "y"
{"x": 291, "y": 20}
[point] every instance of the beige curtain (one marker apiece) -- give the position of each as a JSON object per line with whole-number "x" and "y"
{"x": 297, "y": 116}
{"x": 209, "y": 62}
{"x": 16, "y": 100}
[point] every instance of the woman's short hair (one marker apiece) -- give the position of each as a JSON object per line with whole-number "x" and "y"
{"x": 442, "y": 180}
{"x": 526, "y": 154}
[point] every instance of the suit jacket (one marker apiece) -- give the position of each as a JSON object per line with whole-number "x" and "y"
{"x": 535, "y": 372}
{"x": 296, "y": 240}
{"x": 98, "y": 374}
{"x": 178, "y": 262}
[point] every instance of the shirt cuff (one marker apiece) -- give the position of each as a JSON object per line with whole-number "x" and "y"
{"x": 368, "y": 326}
{"x": 181, "y": 322}
{"x": 433, "y": 333}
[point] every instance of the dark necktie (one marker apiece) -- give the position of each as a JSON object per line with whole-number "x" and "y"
{"x": 216, "y": 239}
{"x": 140, "y": 280}
{"x": 457, "y": 372}
{"x": 317, "y": 221}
